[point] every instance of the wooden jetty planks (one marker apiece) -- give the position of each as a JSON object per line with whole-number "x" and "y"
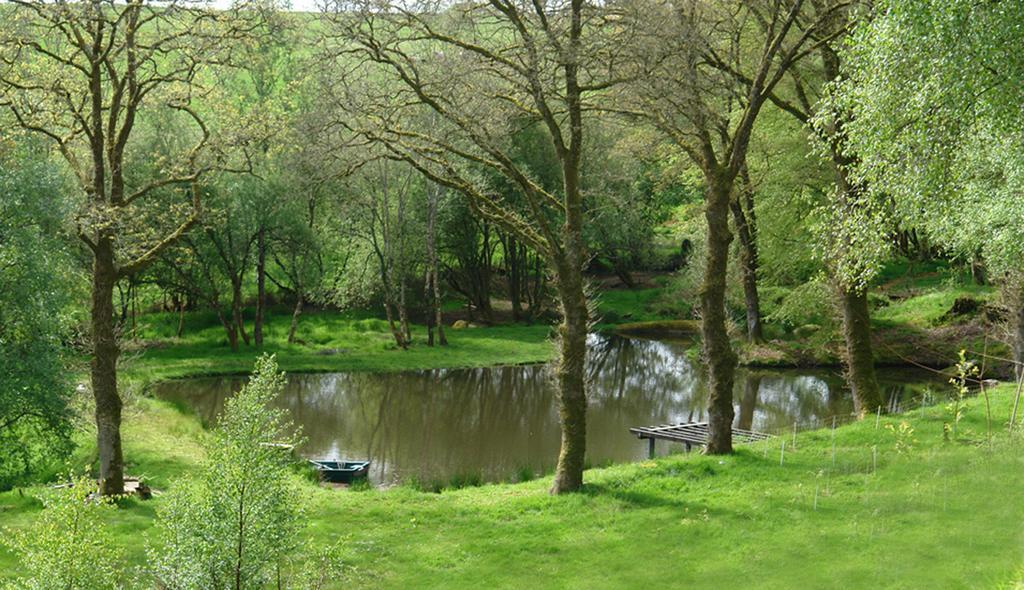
{"x": 691, "y": 433}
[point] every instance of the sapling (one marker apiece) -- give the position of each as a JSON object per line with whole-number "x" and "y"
{"x": 69, "y": 547}
{"x": 904, "y": 435}
{"x": 965, "y": 370}
{"x": 235, "y": 524}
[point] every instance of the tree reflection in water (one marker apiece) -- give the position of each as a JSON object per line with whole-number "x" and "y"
{"x": 493, "y": 422}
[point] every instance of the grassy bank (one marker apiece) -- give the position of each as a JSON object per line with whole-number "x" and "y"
{"x": 926, "y": 513}
{"x": 326, "y": 341}
{"x": 915, "y": 320}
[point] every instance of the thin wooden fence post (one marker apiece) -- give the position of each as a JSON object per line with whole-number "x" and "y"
{"x": 833, "y": 442}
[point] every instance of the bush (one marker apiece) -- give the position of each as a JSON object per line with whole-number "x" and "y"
{"x": 69, "y": 546}
{"x": 235, "y": 525}
{"x": 809, "y": 303}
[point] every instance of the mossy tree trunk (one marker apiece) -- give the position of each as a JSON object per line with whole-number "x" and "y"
{"x": 746, "y": 230}
{"x": 105, "y": 352}
{"x": 858, "y": 355}
{"x": 718, "y": 354}
{"x": 572, "y": 397}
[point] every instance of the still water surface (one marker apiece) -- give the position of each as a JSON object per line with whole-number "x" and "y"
{"x": 494, "y": 422}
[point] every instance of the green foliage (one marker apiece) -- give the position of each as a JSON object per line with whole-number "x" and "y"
{"x": 808, "y": 303}
{"x": 36, "y": 276}
{"x": 903, "y": 433}
{"x": 235, "y": 524}
{"x": 966, "y": 371}
{"x": 69, "y": 547}
{"x": 933, "y": 93}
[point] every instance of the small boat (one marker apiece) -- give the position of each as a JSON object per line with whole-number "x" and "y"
{"x": 340, "y": 471}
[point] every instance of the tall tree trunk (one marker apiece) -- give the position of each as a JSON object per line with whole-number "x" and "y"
{"x": 104, "y": 370}
{"x": 514, "y": 272}
{"x": 442, "y": 340}
{"x": 236, "y": 309}
{"x": 403, "y": 315}
{"x": 745, "y": 229}
{"x": 718, "y": 353}
{"x": 261, "y": 286}
{"x": 858, "y": 357}
{"x": 181, "y": 318}
{"x": 572, "y": 398}
{"x": 572, "y": 386}
{"x": 432, "y": 290}
{"x": 299, "y": 301}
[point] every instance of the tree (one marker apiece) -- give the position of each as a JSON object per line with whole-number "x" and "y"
{"x": 70, "y": 546}
{"x": 695, "y": 51}
{"x": 853, "y": 239}
{"x": 36, "y": 286}
{"x": 478, "y": 68}
{"x": 84, "y": 75}
{"x": 235, "y": 524}
{"x": 264, "y": 87}
{"x": 379, "y": 220}
{"x": 432, "y": 284}
{"x": 934, "y": 92}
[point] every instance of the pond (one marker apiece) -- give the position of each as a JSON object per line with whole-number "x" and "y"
{"x": 495, "y": 423}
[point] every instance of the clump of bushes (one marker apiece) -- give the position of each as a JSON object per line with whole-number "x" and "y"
{"x": 235, "y": 524}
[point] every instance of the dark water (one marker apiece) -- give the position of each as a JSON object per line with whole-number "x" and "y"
{"x": 439, "y": 424}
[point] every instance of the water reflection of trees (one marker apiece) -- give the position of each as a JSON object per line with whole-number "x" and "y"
{"x": 492, "y": 422}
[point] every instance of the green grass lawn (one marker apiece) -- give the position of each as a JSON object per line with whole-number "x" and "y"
{"x": 328, "y": 341}
{"x": 939, "y": 515}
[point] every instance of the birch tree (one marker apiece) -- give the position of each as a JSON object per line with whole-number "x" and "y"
{"x": 934, "y": 89}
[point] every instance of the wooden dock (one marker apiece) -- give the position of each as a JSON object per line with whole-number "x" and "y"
{"x": 690, "y": 434}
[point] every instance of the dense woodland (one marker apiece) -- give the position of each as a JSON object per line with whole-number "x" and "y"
{"x": 209, "y": 183}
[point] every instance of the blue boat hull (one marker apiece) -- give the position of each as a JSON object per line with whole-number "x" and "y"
{"x": 341, "y": 471}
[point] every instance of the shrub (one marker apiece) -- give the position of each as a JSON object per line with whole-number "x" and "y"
{"x": 235, "y": 525}
{"x": 69, "y": 546}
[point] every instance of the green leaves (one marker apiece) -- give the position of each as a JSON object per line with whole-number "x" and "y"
{"x": 70, "y": 546}
{"x": 235, "y": 524}
{"x": 35, "y": 295}
{"x": 934, "y": 91}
